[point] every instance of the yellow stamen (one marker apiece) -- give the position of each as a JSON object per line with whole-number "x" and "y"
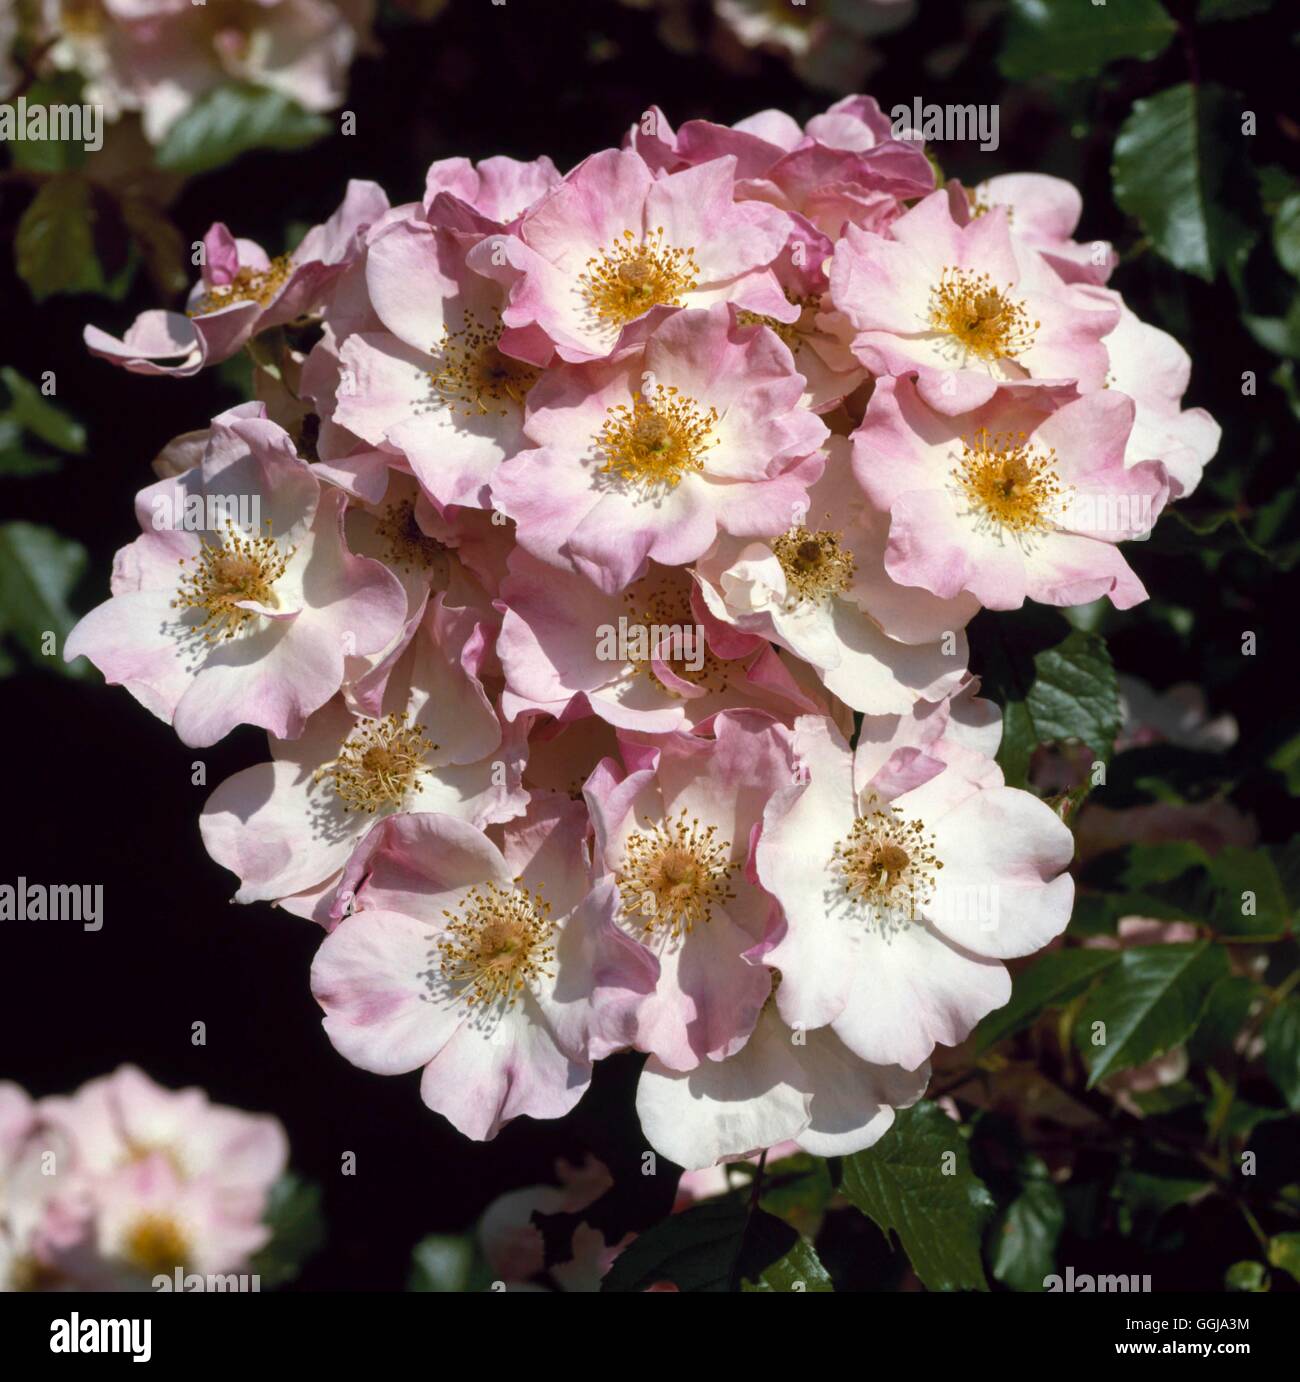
{"x": 656, "y": 443}
{"x": 248, "y": 285}
{"x": 888, "y": 861}
{"x": 816, "y": 566}
{"x": 235, "y": 569}
{"x": 1010, "y": 483}
{"x": 627, "y": 280}
{"x": 792, "y": 333}
{"x": 982, "y": 319}
{"x": 378, "y": 764}
{"x": 156, "y": 1243}
{"x": 498, "y": 944}
{"x": 410, "y": 548}
{"x": 674, "y": 872}
{"x": 472, "y": 377}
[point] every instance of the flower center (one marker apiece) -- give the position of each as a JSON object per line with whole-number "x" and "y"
{"x": 663, "y": 601}
{"x": 887, "y": 861}
{"x": 1009, "y": 482}
{"x": 155, "y": 1243}
{"x": 499, "y": 943}
{"x": 791, "y": 333}
{"x": 378, "y": 764}
{"x": 982, "y": 319}
{"x": 248, "y": 285}
{"x": 238, "y": 568}
{"x": 410, "y": 548}
{"x": 816, "y": 566}
{"x": 626, "y": 281}
{"x": 674, "y": 873}
{"x": 81, "y": 18}
{"x": 655, "y": 443}
{"x": 473, "y": 377}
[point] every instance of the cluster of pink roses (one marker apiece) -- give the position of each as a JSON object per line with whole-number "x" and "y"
{"x": 123, "y": 1182}
{"x": 158, "y": 57}
{"x": 593, "y": 512}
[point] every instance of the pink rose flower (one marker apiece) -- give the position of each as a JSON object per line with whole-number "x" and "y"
{"x": 1011, "y": 501}
{"x": 434, "y": 384}
{"x": 215, "y": 625}
{"x": 675, "y": 832}
{"x": 647, "y": 455}
{"x": 905, "y": 875}
{"x": 612, "y": 243}
{"x": 806, "y": 1087}
{"x": 964, "y": 308}
{"x": 821, "y": 591}
{"x": 434, "y": 743}
{"x": 243, "y": 291}
{"x": 567, "y": 648}
{"x": 499, "y": 971}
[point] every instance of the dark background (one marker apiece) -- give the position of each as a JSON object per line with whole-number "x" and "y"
{"x": 98, "y": 791}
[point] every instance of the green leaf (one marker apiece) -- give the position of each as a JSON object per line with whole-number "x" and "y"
{"x": 1239, "y": 891}
{"x": 799, "y": 1269}
{"x": 1226, "y": 1010}
{"x": 1049, "y": 982}
{"x": 1286, "y": 860}
{"x": 716, "y": 1246}
{"x": 798, "y": 1189}
{"x": 231, "y": 120}
{"x": 297, "y": 1230}
{"x": 447, "y": 1262}
{"x": 1149, "y": 1003}
{"x": 901, "y": 1185}
{"x": 1064, "y": 38}
{"x": 54, "y": 246}
{"x": 34, "y": 413}
{"x": 1174, "y": 171}
{"x": 1286, "y": 234}
{"x": 1142, "y": 1192}
{"x": 1281, "y": 1033}
{"x": 1055, "y": 685}
{"x": 1027, "y": 1236}
{"x": 18, "y": 463}
{"x": 1285, "y": 759}
{"x": 1248, "y": 879}
{"x": 1284, "y": 1252}
{"x": 38, "y": 570}
{"x": 1249, "y": 1277}
{"x": 1164, "y": 1099}
{"x": 1281, "y": 335}
{"x": 50, "y": 155}
{"x": 1162, "y": 861}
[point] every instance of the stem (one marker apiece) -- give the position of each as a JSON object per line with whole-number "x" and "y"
{"x": 29, "y": 72}
{"x": 757, "y": 1188}
{"x": 755, "y": 1191}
